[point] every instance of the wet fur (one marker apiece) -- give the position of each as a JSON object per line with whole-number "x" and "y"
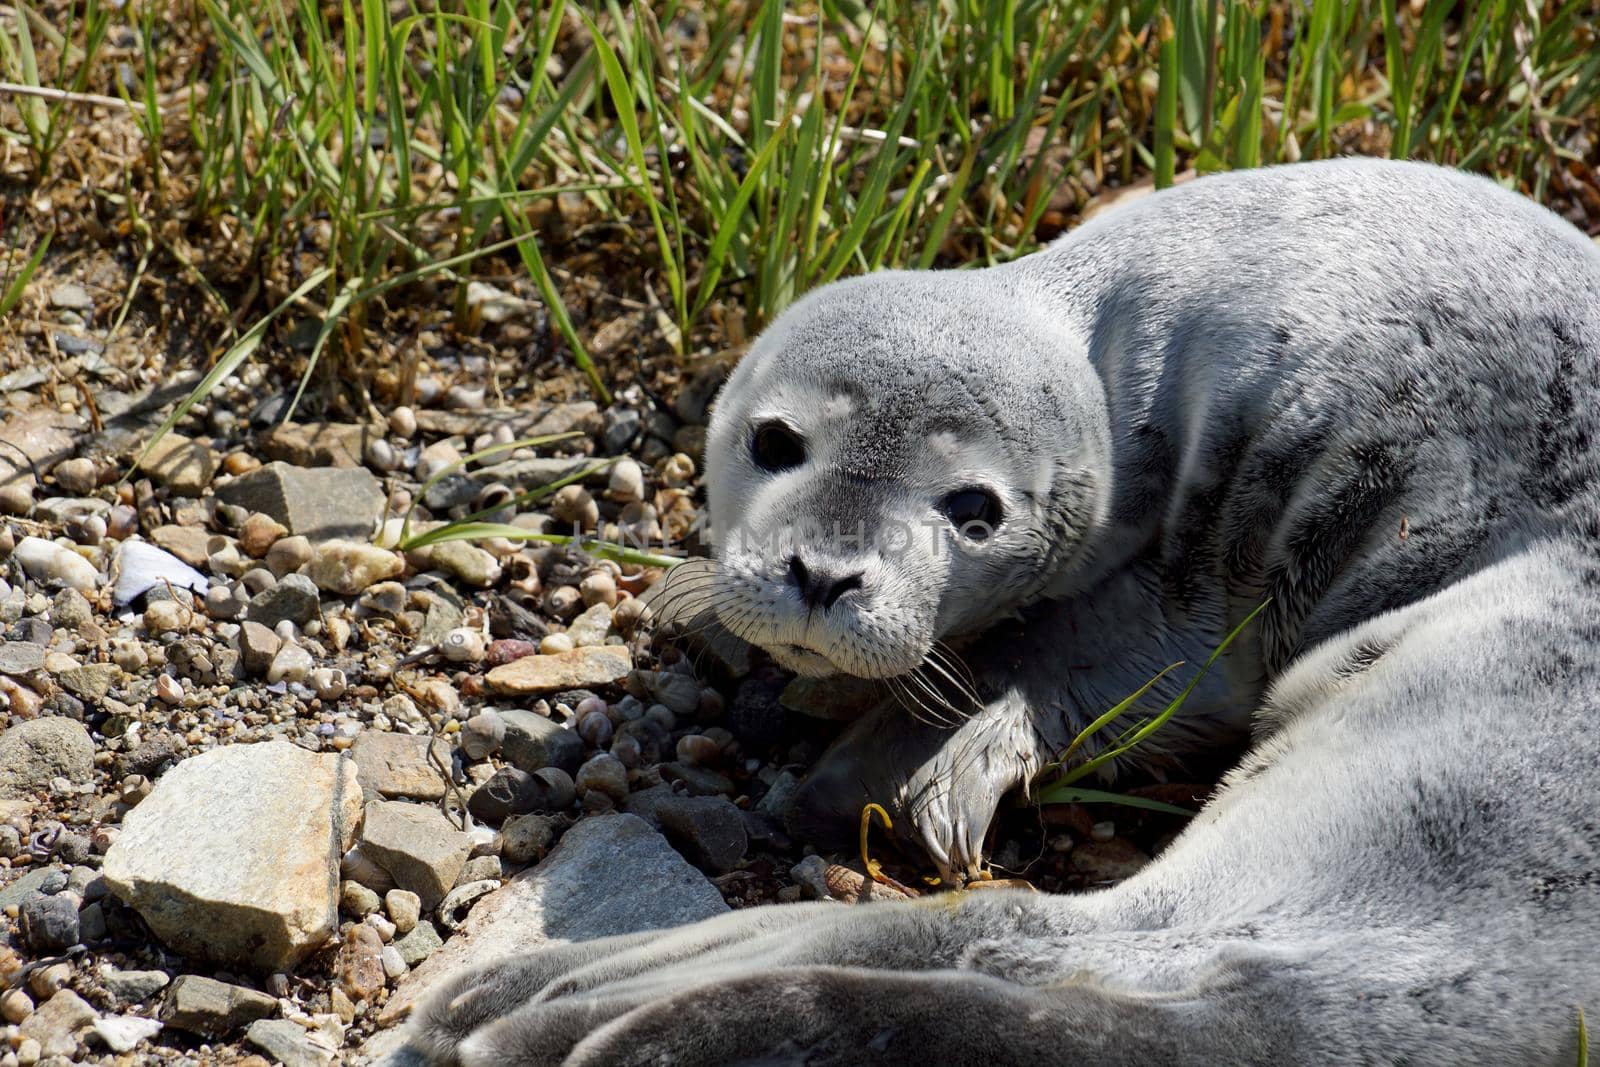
{"x": 1364, "y": 389}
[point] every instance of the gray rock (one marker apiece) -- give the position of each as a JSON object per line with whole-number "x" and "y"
{"x": 709, "y": 831}
{"x": 234, "y": 856}
{"x": 20, "y": 657}
{"x": 610, "y": 874}
{"x": 49, "y": 923}
{"x": 257, "y": 645}
{"x": 533, "y": 741}
{"x": 38, "y": 880}
{"x": 294, "y": 597}
{"x": 838, "y": 698}
{"x": 422, "y": 942}
{"x": 211, "y": 1008}
{"x": 91, "y": 681}
{"x": 479, "y": 869}
{"x": 501, "y": 796}
{"x": 317, "y": 502}
{"x": 392, "y": 765}
{"x": 33, "y": 752}
{"x": 780, "y": 795}
{"x": 130, "y": 987}
{"x": 420, "y": 848}
{"x": 289, "y": 1043}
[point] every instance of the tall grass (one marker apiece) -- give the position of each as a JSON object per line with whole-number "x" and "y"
{"x": 748, "y": 152}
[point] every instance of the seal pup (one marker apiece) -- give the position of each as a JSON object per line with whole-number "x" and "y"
{"x": 1365, "y": 391}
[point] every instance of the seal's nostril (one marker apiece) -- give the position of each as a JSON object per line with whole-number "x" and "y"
{"x": 839, "y": 589}
{"x": 799, "y": 577}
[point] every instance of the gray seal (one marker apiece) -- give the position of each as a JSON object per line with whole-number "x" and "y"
{"x": 1363, "y": 392}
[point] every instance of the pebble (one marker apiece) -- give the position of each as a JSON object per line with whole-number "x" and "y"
{"x": 420, "y": 848}
{"x": 592, "y": 627}
{"x": 582, "y": 668}
{"x": 211, "y": 1008}
{"x": 422, "y": 942}
{"x": 124, "y": 1033}
{"x": 55, "y": 565}
{"x": 404, "y": 908}
{"x": 288, "y": 554}
{"x": 54, "y": 1024}
{"x": 166, "y": 616}
{"x": 222, "y": 603}
{"x": 403, "y": 423}
{"x": 709, "y": 831}
{"x": 603, "y": 773}
{"x": 131, "y": 987}
{"x": 469, "y": 563}
{"x": 15, "y": 1005}
{"x": 288, "y": 1043}
{"x": 293, "y": 598}
{"x": 77, "y": 476}
{"x": 555, "y": 644}
{"x": 384, "y": 598}
{"x": 532, "y": 742}
{"x": 291, "y": 664}
{"x": 384, "y": 928}
{"x": 350, "y": 567}
{"x": 181, "y": 466}
{"x": 526, "y": 838}
{"x": 356, "y": 899}
{"x": 358, "y": 965}
{"x": 315, "y": 502}
{"x": 259, "y": 533}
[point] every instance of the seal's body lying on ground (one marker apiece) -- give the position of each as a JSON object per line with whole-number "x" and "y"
{"x": 1364, "y": 390}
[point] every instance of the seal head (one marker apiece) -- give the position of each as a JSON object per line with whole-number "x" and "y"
{"x": 900, "y": 459}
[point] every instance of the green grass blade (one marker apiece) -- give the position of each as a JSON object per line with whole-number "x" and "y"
{"x": 1071, "y": 794}
{"x": 13, "y": 293}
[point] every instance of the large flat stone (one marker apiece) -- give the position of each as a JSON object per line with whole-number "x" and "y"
{"x": 318, "y": 502}
{"x": 610, "y": 874}
{"x": 582, "y": 668}
{"x": 235, "y": 855}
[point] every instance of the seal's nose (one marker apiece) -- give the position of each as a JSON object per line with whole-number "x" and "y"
{"x": 818, "y": 587}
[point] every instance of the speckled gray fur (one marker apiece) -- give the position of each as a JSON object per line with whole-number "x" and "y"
{"x": 1364, "y": 389}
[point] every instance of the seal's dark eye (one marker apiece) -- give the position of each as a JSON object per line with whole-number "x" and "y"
{"x": 775, "y": 447}
{"x": 975, "y": 513}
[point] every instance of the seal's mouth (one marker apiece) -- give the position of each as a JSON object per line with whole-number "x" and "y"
{"x": 802, "y": 660}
